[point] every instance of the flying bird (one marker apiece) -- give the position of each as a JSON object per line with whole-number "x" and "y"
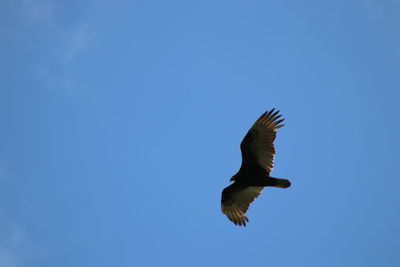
{"x": 258, "y": 154}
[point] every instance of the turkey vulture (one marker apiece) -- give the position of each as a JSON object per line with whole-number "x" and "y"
{"x": 258, "y": 154}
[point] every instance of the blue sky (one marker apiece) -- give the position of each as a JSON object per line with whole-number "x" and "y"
{"x": 121, "y": 125}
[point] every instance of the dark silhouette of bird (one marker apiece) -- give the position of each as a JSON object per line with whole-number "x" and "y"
{"x": 258, "y": 154}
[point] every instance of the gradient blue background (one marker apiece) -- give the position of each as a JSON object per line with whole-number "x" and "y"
{"x": 121, "y": 124}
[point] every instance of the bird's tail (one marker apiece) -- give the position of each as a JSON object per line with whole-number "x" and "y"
{"x": 278, "y": 182}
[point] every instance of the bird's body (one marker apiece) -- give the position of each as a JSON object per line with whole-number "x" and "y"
{"x": 258, "y": 153}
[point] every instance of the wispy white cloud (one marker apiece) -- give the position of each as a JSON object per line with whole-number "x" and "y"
{"x": 40, "y": 11}
{"x": 11, "y": 242}
{"x": 56, "y": 71}
{"x": 11, "y": 235}
{"x": 67, "y": 39}
{"x": 75, "y": 43}
{"x": 71, "y": 46}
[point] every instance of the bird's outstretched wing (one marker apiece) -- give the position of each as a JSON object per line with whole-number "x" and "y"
{"x": 258, "y": 145}
{"x": 236, "y": 199}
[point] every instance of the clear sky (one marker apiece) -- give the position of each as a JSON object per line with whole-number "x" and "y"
{"x": 121, "y": 124}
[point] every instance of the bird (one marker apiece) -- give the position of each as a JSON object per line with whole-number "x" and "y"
{"x": 258, "y": 152}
